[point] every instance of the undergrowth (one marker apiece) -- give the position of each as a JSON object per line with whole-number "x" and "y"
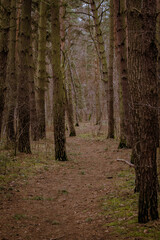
{"x": 120, "y": 210}
{"x": 22, "y": 166}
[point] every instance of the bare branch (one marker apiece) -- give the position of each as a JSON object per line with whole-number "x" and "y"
{"x": 100, "y": 4}
{"x": 85, "y": 1}
{"x": 90, "y": 15}
{"x": 130, "y": 164}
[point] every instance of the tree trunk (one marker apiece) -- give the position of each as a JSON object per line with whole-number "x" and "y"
{"x": 97, "y": 91}
{"x": 134, "y": 59}
{"x": 41, "y": 70}
{"x": 69, "y": 101}
{"x": 33, "y": 110}
{"x": 23, "y": 78}
{"x": 110, "y": 76}
{"x": 11, "y": 75}
{"x": 100, "y": 41}
{"x": 142, "y": 57}
{"x": 158, "y": 64}
{"x": 68, "y": 90}
{"x": 69, "y": 109}
{"x": 4, "y": 29}
{"x": 100, "y": 46}
{"x": 77, "y": 90}
{"x": 125, "y": 116}
{"x": 58, "y": 92}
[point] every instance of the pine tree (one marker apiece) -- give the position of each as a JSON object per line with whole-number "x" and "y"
{"x": 110, "y": 76}
{"x": 41, "y": 69}
{"x": 125, "y": 116}
{"x": 142, "y": 60}
{"x": 11, "y": 75}
{"x": 23, "y": 78}
{"x": 4, "y": 30}
{"x": 58, "y": 94}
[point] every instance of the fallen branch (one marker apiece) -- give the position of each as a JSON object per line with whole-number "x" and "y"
{"x": 122, "y": 160}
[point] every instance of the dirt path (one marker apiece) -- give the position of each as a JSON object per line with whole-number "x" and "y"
{"x": 65, "y": 201}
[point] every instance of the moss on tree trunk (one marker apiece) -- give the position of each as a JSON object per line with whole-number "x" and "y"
{"x": 58, "y": 93}
{"x": 41, "y": 69}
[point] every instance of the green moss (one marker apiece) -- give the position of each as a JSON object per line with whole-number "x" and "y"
{"x": 38, "y": 198}
{"x": 120, "y": 209}
{"x": 63, "y": 191}
{"x": 23, "y": 166}
{"x": 89, "y": 220}
{"x": 19, "y": 216}
{"x": 55, "y": 223}
{"x": 90, "y": 136}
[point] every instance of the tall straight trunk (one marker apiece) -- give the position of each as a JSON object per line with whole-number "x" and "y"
{"x": 33, "y": 110}
{"x": 11, "y": 75}
{"x": 69, "y": 101}
{"x": 110, "y": 76}
{"x": 68, "y": 90}
{"x": 142, "y": 58}
{"x": 134, "y": 24}
{"x": 125, "y": 116}
{"x": 4, "y": 29}
{"x": 75, "y": 91}
{"x": 100, "y": 41}
{"x": 158, "y": 63}
{"x": 23, "y": 78}
{"x": 97, "y": 91}
{"x": 41, "y": 69}
{"x": 69, "y": 108}
{"x": 100, "y": 46}
{"x": 58, "y": 93}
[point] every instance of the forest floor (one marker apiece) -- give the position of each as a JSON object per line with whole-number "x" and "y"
{"x": 89, "y": 197}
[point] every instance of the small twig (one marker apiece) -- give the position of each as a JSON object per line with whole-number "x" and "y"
{"x": 85, "y": 1}
{"x": 130, "y": 164}
{"x": 137, "y": 10}
{"x": 79, "y": 12}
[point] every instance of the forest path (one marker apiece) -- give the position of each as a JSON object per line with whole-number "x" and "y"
{"x": 65, "y": 202}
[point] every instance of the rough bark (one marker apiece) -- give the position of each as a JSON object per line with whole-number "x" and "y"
{"x": 58, "y": 92}
{"x": 97, "y": 92}
{"x": 4, "y": 29}
{"x": 69, "y": 101}
{"x": 110, "y": 76}
{"x": 77, "y": 90}
{"x": 158, "y": 64}
{"x": 100, "y": 46}
{"x": 32, "y": 98}
{"x": 69, "y": 109}
{"x": 134, "y": 25}
{"x": 23, "y": 78}
{"x": 142, "y": 58}
{"x": 41, "y": 69}
{"x": 68, "y": 90}
{"x": 11, "y": 83}
{"x": 100, "y": 41}
{"x": 125, "y": 116}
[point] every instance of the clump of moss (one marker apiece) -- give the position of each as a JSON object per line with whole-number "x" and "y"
{"x": 120, "y": 211}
